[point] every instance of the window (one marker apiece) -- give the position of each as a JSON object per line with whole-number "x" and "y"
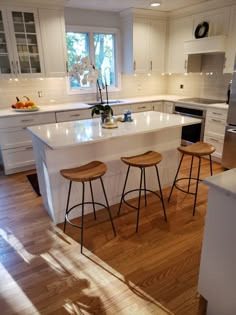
{"x": 101, "y": 46}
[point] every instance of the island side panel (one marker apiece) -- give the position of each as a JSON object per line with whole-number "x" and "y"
{"x": 54, "y": 187}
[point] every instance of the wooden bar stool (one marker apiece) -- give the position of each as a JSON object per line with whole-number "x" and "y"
{"x": 198, "y": 149}
{"x": 142, "y": 161}
{"x": 85, "y": 173}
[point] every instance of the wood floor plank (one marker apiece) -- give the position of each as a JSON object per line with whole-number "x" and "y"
{"x": 43, "y": 272}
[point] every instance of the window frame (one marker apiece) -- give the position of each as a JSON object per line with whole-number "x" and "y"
{"x": 91, "y": 31}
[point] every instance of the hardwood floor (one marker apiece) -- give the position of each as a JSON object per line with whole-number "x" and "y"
{"x": 43, "y": 272}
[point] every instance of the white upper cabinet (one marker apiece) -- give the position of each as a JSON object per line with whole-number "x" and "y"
{"x": 20, "y": 43}
{"x": 143, "y": 44}
{"x": 231, "y": 42}
{"x": 52, "y": 27}
{"x": 180, "y": 30}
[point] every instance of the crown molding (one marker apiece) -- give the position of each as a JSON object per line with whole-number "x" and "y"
{"x": 144, "y": 13}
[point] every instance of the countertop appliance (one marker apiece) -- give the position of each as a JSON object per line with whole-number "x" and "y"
{"x": 229, "y": 149}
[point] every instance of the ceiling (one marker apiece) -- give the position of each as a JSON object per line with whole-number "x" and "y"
{"x": 120, "y": 5}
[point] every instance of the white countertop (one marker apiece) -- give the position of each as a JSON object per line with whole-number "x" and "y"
{"x": 73, "y": 133}
{"x": 81, "y": 105}
{"x": 226, "y": 182}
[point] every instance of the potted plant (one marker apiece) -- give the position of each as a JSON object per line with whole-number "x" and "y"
{"x": 104, "y": 110}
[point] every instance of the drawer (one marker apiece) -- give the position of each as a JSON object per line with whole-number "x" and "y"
{"x": 142, "y": 107}
{"x": 119, "y": 109}
{"x": 14, "y": 137}
{"x": 215, "y": 125}
{"x": 217, "y": 142}
{"x": 217, "y": 113}
{"x": 19, "y": 157}
{"x": 24, "y": 120}
{"x": 73, "y": 115}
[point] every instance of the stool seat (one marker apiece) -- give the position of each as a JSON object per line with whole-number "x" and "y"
{"x": 85, "y": 173}
{"x": 147, "y": 159}
{"x": 198, "y": 149}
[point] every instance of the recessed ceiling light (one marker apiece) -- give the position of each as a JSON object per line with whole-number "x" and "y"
{"x": 154, "y": 4}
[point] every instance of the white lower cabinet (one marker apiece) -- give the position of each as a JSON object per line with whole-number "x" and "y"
{"x": 15, "y": 140}
{"x": 215, "y": 130}
{"x": 158, "y": 106}
{"x": 164, "y": 107}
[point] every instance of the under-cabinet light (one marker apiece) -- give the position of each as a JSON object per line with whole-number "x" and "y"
{"x": 154, "y": 4}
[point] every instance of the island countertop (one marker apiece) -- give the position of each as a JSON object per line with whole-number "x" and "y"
{"x": 73, "y": 133}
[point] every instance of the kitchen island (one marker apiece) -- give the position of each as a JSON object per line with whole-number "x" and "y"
{"x": 70, "y": 144}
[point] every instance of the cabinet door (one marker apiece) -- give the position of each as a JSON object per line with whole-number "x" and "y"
{"x": 52, "y": 27}
{"x": 168, "y": 107}
{"x": 157, "y": 47}
{"x": 141, "y": 46}
{"x": 142, "y": 107}
{"x": 158, "y": 106}
{"x": 230, "y": 44}
{"x": 180, "y": 30}
{"x": 26, "y": 42}
{"x": 6, "y": 54}
{"x": 73, "y": 115}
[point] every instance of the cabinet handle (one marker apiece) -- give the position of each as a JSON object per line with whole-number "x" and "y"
{"x": 213, "y": 139}
{"x": 141, "y": 107}
{"x": 219, "y": 114}
{"x": 13, "y": 67}
{"x": 134, "y": 65}
{"x": 27, "y": 120}
{"x": 217, "y": 120}
{"x": 29, "y": 148}
{"x": 151, "y": 65}
{"x": 185, "y": 64}
{"x": 67, "y": 67}
{"x": 17, "y": 67}
{"x": 75, "y": 115}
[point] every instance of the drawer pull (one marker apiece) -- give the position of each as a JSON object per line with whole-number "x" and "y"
{"x": 213, "y": 139}
{"x": 219, "y": 114}
{"x": 27, "y": 120}
{"x": 29, "y": 148}
{"x": 141, "y": 107}
{"x": 75, "y": 115}
{"x": 217, "y": 120}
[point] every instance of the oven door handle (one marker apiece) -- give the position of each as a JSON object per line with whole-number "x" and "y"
{"x": 189, "y": 115}
{"x": 231, "y": 130}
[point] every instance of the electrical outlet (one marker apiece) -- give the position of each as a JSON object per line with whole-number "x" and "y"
{"x": 181, "y": 86}
{"x": 40, "y": 94}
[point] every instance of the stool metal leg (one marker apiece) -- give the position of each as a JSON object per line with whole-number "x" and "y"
{"x": 190, "y": 173}
{"x": 82, "y": 221}
{"x": 175, "y": 177}
{"x": 210, "y": 164}
{"x": 162, "y": 199}
{"x": 67, "y": 205}
{"x": 198, "y": 175}
{"x": 139, "y": 198}
{"x": 127, "y": 174}
{"x": 91, "y": 189}
{"x": 108, "y": 208}
{"x": 145, "y": 192}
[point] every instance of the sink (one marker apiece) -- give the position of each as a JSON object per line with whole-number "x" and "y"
{"x": 104, "y": 103}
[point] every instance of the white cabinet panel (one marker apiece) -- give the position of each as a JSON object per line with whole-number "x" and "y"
{"x": 52, "y": 26}
{"x": 180, "y": 30}
{"x": 24, "y": 120}
{"x": 141, "y": 107}
{"x": 119, "y": 109}
{"x": 73, "y": 115}
{"x": 158, "y": 106}
{"x": 168, "y": 107}
{"x": 231, "y": 42}
{"x": 14, "y": 137}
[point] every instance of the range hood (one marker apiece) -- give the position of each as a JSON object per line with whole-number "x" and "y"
{"x": 206, "y": 45}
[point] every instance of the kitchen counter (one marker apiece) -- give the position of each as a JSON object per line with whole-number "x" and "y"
{"x": 217, "y": 276}
{"x": 73, "y": 133}
{"x": 81, "y": 105}
{"x": 70, "y": 144}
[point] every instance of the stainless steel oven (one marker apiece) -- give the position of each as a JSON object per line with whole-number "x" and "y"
{"x": 192, "y": 133}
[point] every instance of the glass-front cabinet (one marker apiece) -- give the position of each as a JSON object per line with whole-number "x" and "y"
{"x": 20, "y": 44}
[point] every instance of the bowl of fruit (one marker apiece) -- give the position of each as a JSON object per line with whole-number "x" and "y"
{"x": 27, "y": 106}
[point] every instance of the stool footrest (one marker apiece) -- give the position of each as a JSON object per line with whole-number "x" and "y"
{"x": 186, "y": 178}
{"x": 78, "y": 205}
{"x": 133, "y": 190}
